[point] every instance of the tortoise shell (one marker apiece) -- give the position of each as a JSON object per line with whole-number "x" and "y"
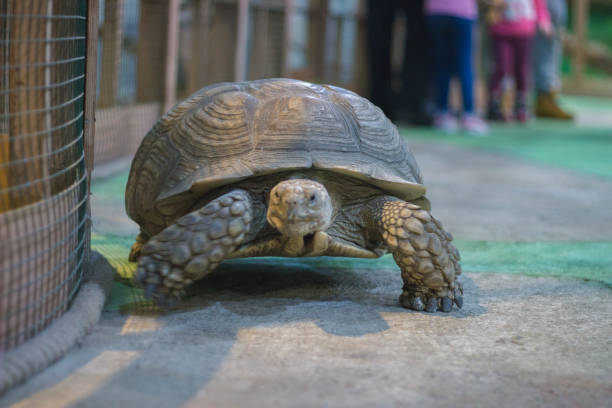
{"x": 228, "y": 132}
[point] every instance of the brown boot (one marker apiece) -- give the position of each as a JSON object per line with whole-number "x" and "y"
{"x": 546, "y": 107}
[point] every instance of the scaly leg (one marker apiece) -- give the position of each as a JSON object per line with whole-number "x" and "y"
{"x": 424, "y": 252}
{"x": 193, "y": 246}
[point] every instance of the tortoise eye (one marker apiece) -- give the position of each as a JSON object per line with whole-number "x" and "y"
{"x": 313, "y": 197}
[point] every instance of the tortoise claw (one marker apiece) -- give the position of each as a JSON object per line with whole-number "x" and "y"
{"x": 432, "y": 305}
{"x": 459, "y": 301}
{"x": 447, "y": 304}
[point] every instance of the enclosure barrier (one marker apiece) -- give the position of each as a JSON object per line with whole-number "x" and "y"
{"x": 45, "y": 160}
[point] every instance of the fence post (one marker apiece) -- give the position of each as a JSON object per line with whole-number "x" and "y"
{"x": 171, "y": 57}
{"x": 112, "y": 34}
{"x": 317, "y": 26}
{"x": 288, "y": 32}
{"x": 91, "y": 66}
{"x": 580, "y": 11}
{"x": 157, "y": 52}
{"x": 241, "y": 41}
{"x": 200, "y": 37}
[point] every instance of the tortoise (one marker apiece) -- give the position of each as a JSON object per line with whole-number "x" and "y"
{"x": 282, "y": 167}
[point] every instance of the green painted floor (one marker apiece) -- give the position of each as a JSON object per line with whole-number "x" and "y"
{"x": 578, "y": 148}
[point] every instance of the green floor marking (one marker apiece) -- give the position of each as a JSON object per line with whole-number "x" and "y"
{"x": 555, "y": 143}
{"x": 582, "y": 260}
{"x": 111, "y": 188}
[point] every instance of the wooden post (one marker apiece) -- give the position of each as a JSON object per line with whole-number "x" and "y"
{"x": 152, "y": 29}
{"x": 339, "y": 23}
{"x": 317, "y": 28}
{"x": 171, "y": 60}
{"x": 157, "y": 52}
{"x": 360, "y": 67}
{"x": 580, "y": 11}
{"x": 112, "y": 34}
{"x": 258, "y": 64}
{"x": 91, "y": 65}
{"x": 241, "y": 41}
{"x": 288, "y": 32}
{"x": 200, "y": 38}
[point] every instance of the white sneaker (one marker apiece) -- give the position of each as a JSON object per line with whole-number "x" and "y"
{"x": 473, "y": 124}
{"x": 445, "y": 122}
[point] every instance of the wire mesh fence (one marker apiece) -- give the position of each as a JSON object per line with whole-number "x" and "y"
{"x": 44, "y": 222}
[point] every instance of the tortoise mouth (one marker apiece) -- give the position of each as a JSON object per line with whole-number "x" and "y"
{"x": 308, "y": 240}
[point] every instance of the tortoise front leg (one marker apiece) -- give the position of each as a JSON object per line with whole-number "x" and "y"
{"x": 424, "y": 252}
{"x": 193, "y": 246}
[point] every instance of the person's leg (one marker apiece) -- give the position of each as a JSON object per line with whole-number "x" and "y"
{"x": 380, "y": 22}
{"x": 417, "y": 64}
{"x": 442, "y": 49}
{"x": 522, "y": 75}
{"x": 464, "y": 61}
{"x": 462, "y": 35}
{"x": 547, "y": 55}
{"x": 502, "y": 57}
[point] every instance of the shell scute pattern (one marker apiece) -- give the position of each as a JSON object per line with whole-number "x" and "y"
{"x": 228, "y": 132}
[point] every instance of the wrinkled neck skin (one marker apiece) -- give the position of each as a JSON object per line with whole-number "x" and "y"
{"x": 301, "y": 209}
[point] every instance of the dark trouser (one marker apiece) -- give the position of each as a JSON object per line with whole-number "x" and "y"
{"x": 452, "y": 38}
{"x": 512, "y": 57}
{"x": 415, "y": 67}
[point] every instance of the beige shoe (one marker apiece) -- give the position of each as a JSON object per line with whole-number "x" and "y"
{"x": 547, "y": 107}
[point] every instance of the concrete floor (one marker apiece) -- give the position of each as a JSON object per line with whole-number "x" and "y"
{"x": 286, "y": 336}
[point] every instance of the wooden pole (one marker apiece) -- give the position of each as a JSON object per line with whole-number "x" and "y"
{"x": 317, "y": 28}
{"x": 112, "y": 33}
{"x": 580, "y": 11}
{"x": 241, "y": 41}
{"x": 288, "y": 32}
{"x": 171, "y": 61}
{"x": 200, "y": 37}
{"x": 91, "y": 65}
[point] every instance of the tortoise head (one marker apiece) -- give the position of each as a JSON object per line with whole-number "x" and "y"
{"x": 299, "y": 207}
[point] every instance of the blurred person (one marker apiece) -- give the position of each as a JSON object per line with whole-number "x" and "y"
{"x": 409, "y": 102}
{"x": 512, "y": 31}
{"x": 451, "y": 25}
{"x": 547, "y": 55}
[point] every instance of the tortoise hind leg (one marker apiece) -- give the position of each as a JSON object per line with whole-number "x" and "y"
{"x": 193, "y": 246}
{"x": 424, "y": 252}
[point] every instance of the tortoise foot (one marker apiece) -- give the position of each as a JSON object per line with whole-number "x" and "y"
{"x": 193, "y": 247}
{"x": 424, "y": 299}
{"x": 424, "y": 252}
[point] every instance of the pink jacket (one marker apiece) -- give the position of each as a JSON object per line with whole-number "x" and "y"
{"x": 521, "y": 18}
{"x": 456, "y": 8}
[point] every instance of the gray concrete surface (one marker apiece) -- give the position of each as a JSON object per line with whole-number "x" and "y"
{"x": 289, "y": 337}
{"x": 482, "y": 195}
{"x": 304, "y": 338}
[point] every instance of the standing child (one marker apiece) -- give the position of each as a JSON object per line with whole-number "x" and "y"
{"x": 511, "y": 38}
{"x": 451, "y": 24}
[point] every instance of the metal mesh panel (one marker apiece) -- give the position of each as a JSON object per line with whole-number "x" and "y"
{"x": 43, "y": 178}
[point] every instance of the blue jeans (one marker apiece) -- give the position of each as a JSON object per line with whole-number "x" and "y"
{"x": 452, "y": 40}
{"x": 548, "y": 51}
